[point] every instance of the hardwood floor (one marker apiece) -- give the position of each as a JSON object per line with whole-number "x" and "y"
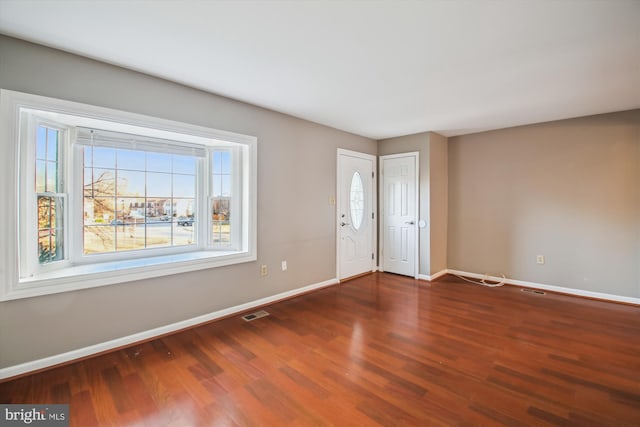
{"x": 377, "y": 350}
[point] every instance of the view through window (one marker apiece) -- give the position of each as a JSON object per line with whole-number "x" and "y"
{"x": 136, "y": 199}
{"x": 49, "y": 200}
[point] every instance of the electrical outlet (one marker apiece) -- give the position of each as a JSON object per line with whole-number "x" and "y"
{"x": 332, "y": 200}
{"x": 263, "y": 270}
{"x": 284, "y": 265}
{"x": 540, "y": 259}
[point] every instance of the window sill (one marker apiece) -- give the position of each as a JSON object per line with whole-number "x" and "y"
{"x": 109, "y": 273}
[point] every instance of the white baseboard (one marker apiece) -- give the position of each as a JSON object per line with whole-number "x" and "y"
{"x": 433, "y": 276}
{"x": 69, "y": 356}
{"x": 553, "y": 288}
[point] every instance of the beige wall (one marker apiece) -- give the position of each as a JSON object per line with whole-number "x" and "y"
{"x": 568, "y": 190}
{"x": 432, "y": 149}
{"x": 296, "y": 177}
{"x": 438, "y": 201}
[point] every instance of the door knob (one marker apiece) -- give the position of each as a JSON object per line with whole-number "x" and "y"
{"x": 409, "y": 222}
{"x": 344, "y": 223}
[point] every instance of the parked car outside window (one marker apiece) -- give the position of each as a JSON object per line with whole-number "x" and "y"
{"x": 185, "y": 221}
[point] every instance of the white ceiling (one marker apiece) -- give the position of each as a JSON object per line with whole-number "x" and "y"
{"x": 375, "y": 68}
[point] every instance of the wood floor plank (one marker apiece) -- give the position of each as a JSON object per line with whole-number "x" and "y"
{"x": 378, "y": 350}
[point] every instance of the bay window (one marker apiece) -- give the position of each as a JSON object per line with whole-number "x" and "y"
{"x": 103, "y": 196}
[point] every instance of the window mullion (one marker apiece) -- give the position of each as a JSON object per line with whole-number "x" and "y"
{"x": 203, "y": 221}
{"x": 237, "y": 196}
{"x": 75, "y": 173}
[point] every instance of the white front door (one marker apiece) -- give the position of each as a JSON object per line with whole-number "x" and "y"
{"x": 355, "y": 209}
{"x": 399, "y": 213}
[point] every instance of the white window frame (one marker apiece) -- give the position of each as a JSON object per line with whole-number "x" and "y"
{"x": 237, "y": 192}
{"x": 77, "y": 257}
{"x": 28, "y": 239}
{"x": 75, "y": 272}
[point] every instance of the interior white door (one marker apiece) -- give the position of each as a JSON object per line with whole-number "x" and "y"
{"x": 356, "y": 201}
{"x": 399, "y": 214}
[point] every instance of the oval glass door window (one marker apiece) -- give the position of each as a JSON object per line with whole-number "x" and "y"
{"x": 356, "y": 201}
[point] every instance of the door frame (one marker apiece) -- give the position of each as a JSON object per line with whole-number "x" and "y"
{"x": 374, "y": 206}
{"x": 416, "y": 156}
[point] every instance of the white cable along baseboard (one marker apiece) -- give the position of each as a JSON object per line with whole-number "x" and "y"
{"x": 91, "y": 350}
{"x": 553, "y": 288}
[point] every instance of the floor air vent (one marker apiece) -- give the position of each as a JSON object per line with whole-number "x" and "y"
{"x": 533, "y": 291}
{"x": 254, "y": 316}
